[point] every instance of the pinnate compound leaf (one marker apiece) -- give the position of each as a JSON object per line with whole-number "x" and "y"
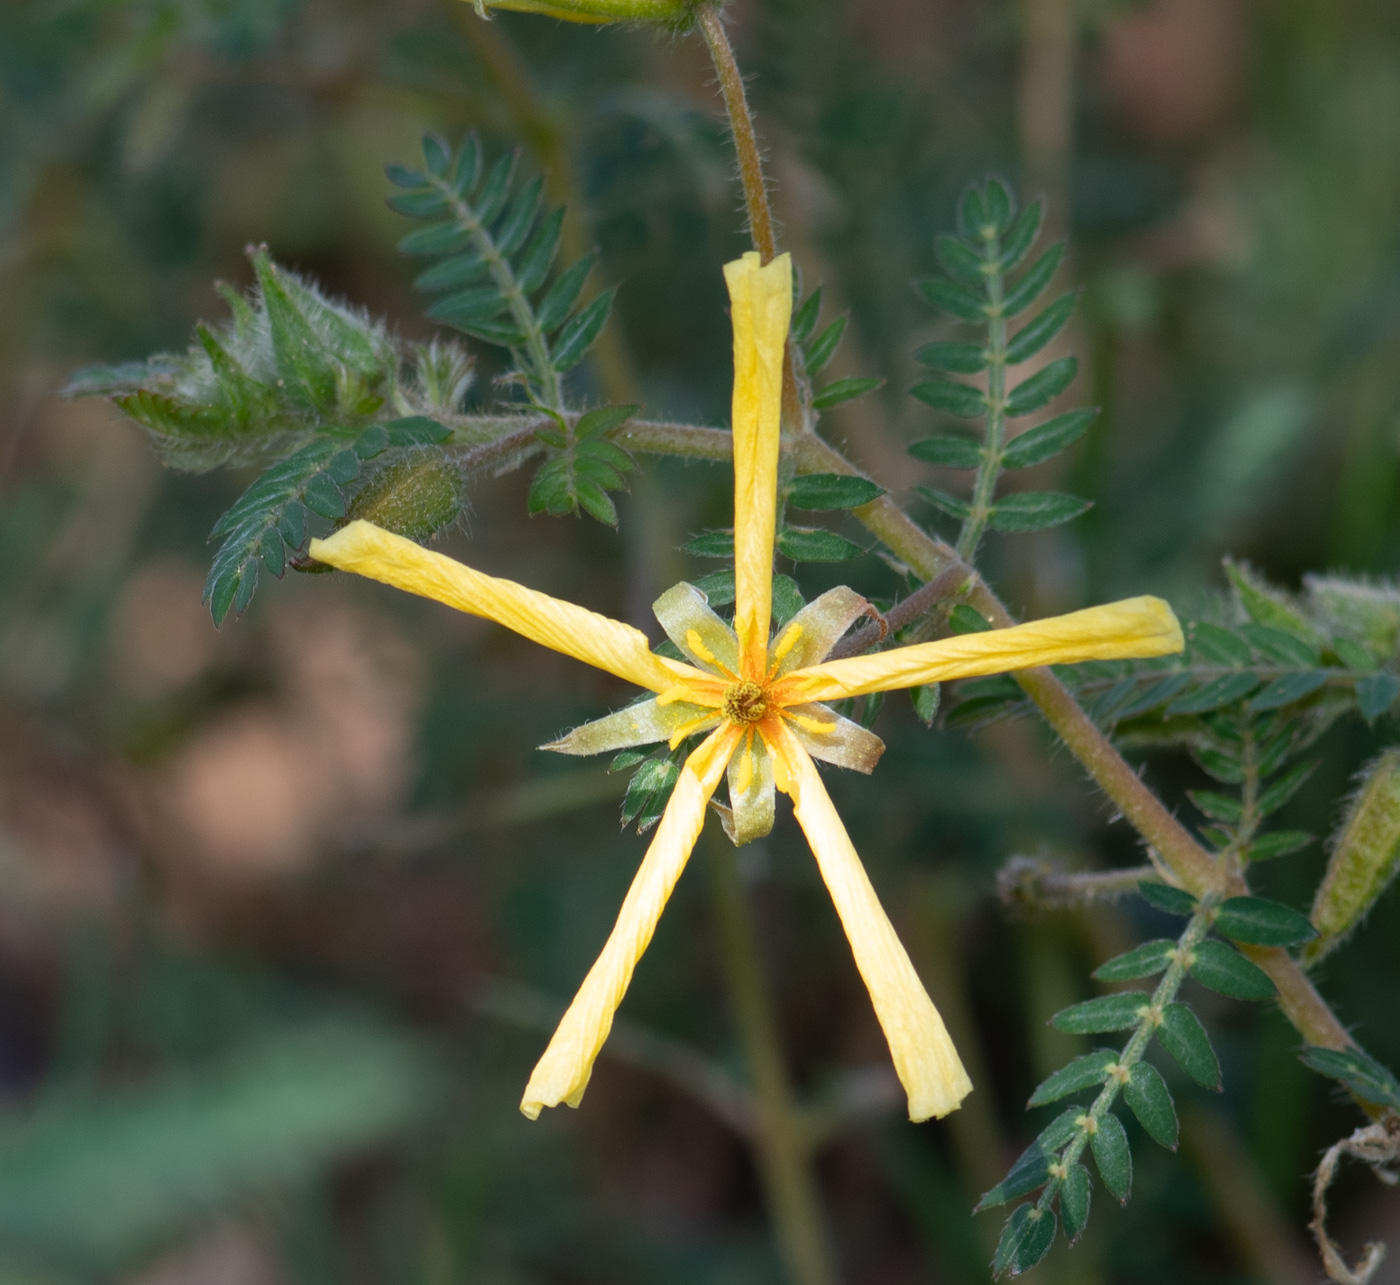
{"x": 956, "y": 359}
{"x": 1183, "y": 1036}
{"x": 1109, "y": 1143}
{"x": 1360, "y": 1072}
{"x": 1263, "y": 922}
{"x": 1074, "y": 1201}
{"x": 1048, "y": 439}
{"x": 1041, "y": 329}
{"x": 1172, "y": 901}
{"x": 845, "y": 390}
{"x": 1083, "y": 1073}
{"x": 1106, "y": 1013}
{"x": 831, "y": 491}
{"x": 1147, "y": 960}
{"x": 954, "y": 399}
{"x": 950, "y": 452}
{"x": 1048, "y": 382}
{"x": 1224, "y": 969}
{"x": 1149, "y": 1099}
{"x": 1035, "y": 510}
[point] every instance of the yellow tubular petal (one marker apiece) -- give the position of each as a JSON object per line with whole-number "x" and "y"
{"x": 596, "y": 640}
{"x": 761, "y": 298}
{"x": 561, "y": 1075}
{"x": 1135, "y": 627}
{"x": 925, "y": 1060}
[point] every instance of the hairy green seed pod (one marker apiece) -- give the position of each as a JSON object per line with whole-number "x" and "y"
{"x": 415, "y": 497}
{"x": 1365, "y": 856}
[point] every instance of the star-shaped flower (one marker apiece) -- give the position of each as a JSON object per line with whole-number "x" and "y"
{"x": 757, "y": 698}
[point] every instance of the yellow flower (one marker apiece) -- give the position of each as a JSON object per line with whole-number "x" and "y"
{"x": 757, "y": 698}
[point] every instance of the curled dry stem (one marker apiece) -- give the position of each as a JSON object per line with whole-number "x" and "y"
{"x": 1378, "y": 1146}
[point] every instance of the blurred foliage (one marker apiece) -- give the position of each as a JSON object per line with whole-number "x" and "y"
{"x": 252, "y": 881}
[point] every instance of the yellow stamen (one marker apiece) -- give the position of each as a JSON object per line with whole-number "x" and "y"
{"x": 673, "y": 694}
{"x": 808, "y": 724}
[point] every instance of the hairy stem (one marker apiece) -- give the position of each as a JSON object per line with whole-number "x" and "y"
{"x": 760, "y": 212}
{"x": 984, "y": 488}
{"x": 784, "y": 1157}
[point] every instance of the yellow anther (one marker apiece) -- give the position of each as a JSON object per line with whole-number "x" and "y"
{"x": 809, "y": 724}
{"x": 745, "y": 702}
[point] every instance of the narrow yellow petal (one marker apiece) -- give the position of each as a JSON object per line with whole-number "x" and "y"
{"x": 596, "y": 640}
{"x": 561, "y": 1075}
{"x": 925, "y": 1060}
{"x": 1135, "y": 627}
{"x": 761, "y": 299}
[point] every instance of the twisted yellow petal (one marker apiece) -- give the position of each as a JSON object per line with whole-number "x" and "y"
{"x": 596, "y": 640}
{"x": 561, "y": 1075}
{"x": 925, "y": 1060}
{"x": 1135, "y": 627}
{"x": 761, "y": 298}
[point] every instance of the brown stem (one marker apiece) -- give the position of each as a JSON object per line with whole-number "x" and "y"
{"x": 924, "y": 599}
{"x": 736, "y": 106}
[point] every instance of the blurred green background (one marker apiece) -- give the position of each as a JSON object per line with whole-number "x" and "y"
{"x": 287, "y": 909}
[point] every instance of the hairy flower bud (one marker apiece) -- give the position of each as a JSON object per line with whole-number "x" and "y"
{"x": 416, "y": 497}
{"x": 1365, "y": 857}
{"x": 666, "y": 13}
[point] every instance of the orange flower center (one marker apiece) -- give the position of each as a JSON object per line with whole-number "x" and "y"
{"x": 745, "y": 702}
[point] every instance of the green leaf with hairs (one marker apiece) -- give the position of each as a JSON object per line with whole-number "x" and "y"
{"x": 1149, "y": 1099}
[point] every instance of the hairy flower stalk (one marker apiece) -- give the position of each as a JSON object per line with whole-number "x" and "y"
{"x": 755, "y": 698}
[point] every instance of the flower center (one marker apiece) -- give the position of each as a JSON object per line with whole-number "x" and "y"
{"x": 745, "y": 702}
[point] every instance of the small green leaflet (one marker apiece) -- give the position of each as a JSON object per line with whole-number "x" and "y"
{"x": 1375, "y": 694}
{"x": 967, "y": 620}
{"x": 1263, "y": 922}
{"x": 1183, "y": 1036}
{"x": 831, "y": 491}
{"x": 1224, "y": 969}
{"x": 1109, "y": 1143}
{"x": 711, "y": 544}
{"x": 1074, "y": 1201}
{"x": 956, "y": 359}
{"x": 955, "y": 399}
{"x": 1083, "y": 1073}
{"x": 1162, "y": 896}
{"x": 1360, "y": 1072}
{"x": 1047, "y": 383}
{"x": 1147, "y": 960}
{"x": 950, "y": 452}
{"x": 844, "y": 390}
{"x": 1035, "y": 510}
{"x": 1106, "y": 1013}
{"x": 1048, "y": 439}
{"x": 807, "y": 544}
{"x": 1149, "y": 1099}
